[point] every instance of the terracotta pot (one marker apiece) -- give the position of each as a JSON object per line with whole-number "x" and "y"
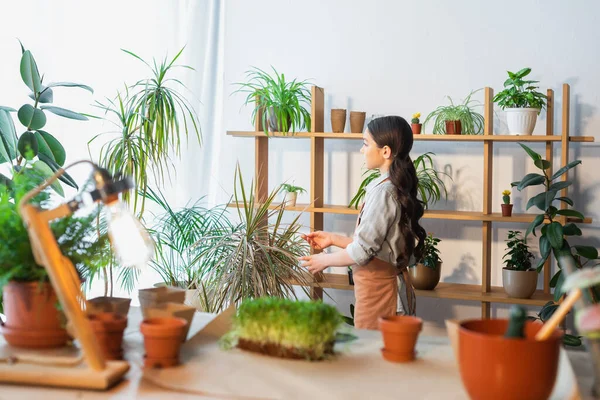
{"x": 506, "y": 210}
{"x": 176, "y": 310}
{"x": 519, "y": 284}
{"x": 338, "y": 120}
{"x": 453, "y": 127}
{"x": 400, "y": 335}
{"x": 108, "y": 328}
{"x": 425, "y": 278}
{"x": 162, "y": 293}
{"x": 290, "y": 199}
{"x": 162, "y": 340}
{"x": 357, "y": 121}
{"x": 493, "y": 367}
{"x": 32, "y": 317}
{"x": 118, "y": 305}
{"x": 416, "y": 128}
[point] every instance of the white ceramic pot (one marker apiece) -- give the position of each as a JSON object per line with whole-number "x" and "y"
{"x": 521, "y": 121}
{"x": 290, "y": 199}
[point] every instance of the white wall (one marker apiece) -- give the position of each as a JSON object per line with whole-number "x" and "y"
{"x": 400, "y": 57}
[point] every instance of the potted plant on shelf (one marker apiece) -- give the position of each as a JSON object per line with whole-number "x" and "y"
{"x": 415, "y": 124}
{"x": 284, "y": 102}
{"x": 426, "y": 272}
{"x": 430, "y": 186}
{"x": 291, "y": 194}
{"x": 518, "y": 277}
{"x": 456, "y": 119}
{"x": 521, "y": 102}
{"x": 506, "y": 204}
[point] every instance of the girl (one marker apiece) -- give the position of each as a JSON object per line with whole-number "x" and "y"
{"x": 387, "y": 228}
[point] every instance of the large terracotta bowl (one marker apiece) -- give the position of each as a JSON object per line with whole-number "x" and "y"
{"x": 494, "y": 367}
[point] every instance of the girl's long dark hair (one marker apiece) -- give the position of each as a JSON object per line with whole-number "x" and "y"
{"x": 395, "y": 132}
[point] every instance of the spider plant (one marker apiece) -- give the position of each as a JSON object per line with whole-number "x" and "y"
{"x": 283, "y": 102}
{"x": 430, "y": 185}
{"x": 472, "y": 122}
{"x": 256, "y": 258}
{"x": 152, "y": 119}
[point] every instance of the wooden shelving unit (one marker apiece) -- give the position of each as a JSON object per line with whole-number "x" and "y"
{"x": 485, "y": 293}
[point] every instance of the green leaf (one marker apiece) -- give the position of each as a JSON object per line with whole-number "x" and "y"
{"x": 539, "y": 219}
{"x": 555, "y": 234}
{"x": 65, "y": 113}
{"x": 566, "y": 200}
{"x": 565, "y": 169}
{"x": 65, "y": 177}
{"x": 558, "y": 292}
{"x": 560, "y": 185}
{"x": 571, "y": 213}
{"x": 71, "y": 84}
{"x": 545, "y": 249}
{"x": 32, "y": 118}
{"x": 46, "y": 95}
{"x": 531, "y": 180}
{"x": 571, "y": 229}
{"x": 589, "y": 252}
{"x": 547, "y": 311}
{"x": 542, "y": 164}
{"x": 28, "y": 146}
{"x": 46, "y": 172}
{"x": 9, "y": 109}
{"x": 570, "y": 340}
{"x": 58, "y": 151}
{"x": 8, "y": 133}
{"x": 30, "y": 73}
{"x": 535, "y": 156}
{"x": 554, "y": 279}
{"x": 542, "y": 200}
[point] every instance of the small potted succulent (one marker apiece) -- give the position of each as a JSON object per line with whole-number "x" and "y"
{"x": 426, "y": 272}
{"x": 521, "y": 102}
{"x": 291, "y": 194}
{"x": 506, "y": 204}
{"x": 518, "y": 277}
{"x": 416, "y": 124}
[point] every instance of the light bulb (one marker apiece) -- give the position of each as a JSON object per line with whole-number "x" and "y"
{"x": 130, "y": 241}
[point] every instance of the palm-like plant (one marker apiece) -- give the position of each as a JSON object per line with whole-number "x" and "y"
{"x": 283, "y": 102}
{"x": 254, "y": 259}
{"x": 430, "y": 184}
{"x": 472, "y": 122}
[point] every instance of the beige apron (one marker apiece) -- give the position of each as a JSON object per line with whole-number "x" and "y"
{"x": 380, "y": 290}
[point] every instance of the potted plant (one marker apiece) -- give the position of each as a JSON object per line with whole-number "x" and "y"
{"x": 285, "y": 328}
{"x": 291, "y": 194}
{"x": 506, "y": 204}
{"x": 426, "y": 272}
{"x": 284, "y": 102}
{"x": 521, "y": 101}
{"x": 430, "y": 186}
{"x": 518, "y": 277}
{"x": 415, "y": 124}
{"x": 271, "y": 252}
{"x": 456, "y": 119}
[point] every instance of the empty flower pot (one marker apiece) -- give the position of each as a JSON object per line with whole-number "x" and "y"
{"x": 177, "y": 310}
{"x": 162, "y": 341}
{"x": 506, "y": 210}
{"x": 118, "y": 305}
{"x": 338, "y": 120}
{"x": 357, "y": 121}
{"x": 493, "y": 367}
{"x": 108, "y": 328}
{"x": 158, "y": 295}
{"x": 416, "y": 128}
{"x": 453, "y": 127}
{"x": 400, "y": 335}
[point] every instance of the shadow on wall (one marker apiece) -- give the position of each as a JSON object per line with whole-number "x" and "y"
{"x": 464, "y": 272}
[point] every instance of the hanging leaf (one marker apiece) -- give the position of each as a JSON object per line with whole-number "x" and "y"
{"x": 65, "y": 113}
{"x": 571, "y": 229}
{"x": 547, "y": 311}
{"x": 555, "y": 234}
{"x": 558, "y": 292}
{"x": 46, "y": 95}
{"x": 542, "y": 164}
{"x": 10, "y": 109}
{"x": 46, "y": 172}
{"x": 30, "y": 73}
{"x": 570, "y": 340}
{"x": 554, "y": 279}
{"x": 560, "y": 185}
{"x": 536, "y": 222}
{"x": 565, "y": 169}
{"x": 51, "y": 147}
{"x": 65, "y": 177}
{"x": 531, "y": 180}
{"x": 31, "y": 118}
{"x": 71, "y": 84}
{"x": 545, "y": 249}
{"x": 589, "y": 252}
{"x": 535, "y": 156}
{"x": 565, "y": 200}
{"x": 28, "y": 146}
{"x": 571, "y": 213}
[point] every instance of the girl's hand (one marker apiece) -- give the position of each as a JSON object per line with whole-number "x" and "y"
{"x": 315, "y": 263}
{"x": 319, "y": 240}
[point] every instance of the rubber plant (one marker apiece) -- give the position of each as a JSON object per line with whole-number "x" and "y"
{"x": 559, "y": 228}
{"x": 31, "y": 142}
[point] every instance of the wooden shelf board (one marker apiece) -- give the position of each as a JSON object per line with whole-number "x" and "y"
{"x": 444, "y": 290}
{"x": 430, "y": 214}
{"x": 422, "y": 137}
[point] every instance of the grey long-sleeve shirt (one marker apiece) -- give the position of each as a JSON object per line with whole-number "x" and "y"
{"x": 378, "y": 232}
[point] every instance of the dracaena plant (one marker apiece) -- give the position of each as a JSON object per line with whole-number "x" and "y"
{"x": 30, "y": 142}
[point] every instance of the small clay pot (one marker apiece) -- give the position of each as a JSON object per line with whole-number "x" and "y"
{"x": 357, "y": 121}
{"x": 493, "y": 367}
{"x": 162, "y": 341}
{"x": 453, "y": 127}
{"x": 338, "y": 120}
{"x": 425, "y": 278}
{"x": 108, "y": 328}
{"x": 416, "y": 128}
{"x": 400, "y": 335}
{"x": 506, "y": 210}
{"x": 167, "y": 310}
